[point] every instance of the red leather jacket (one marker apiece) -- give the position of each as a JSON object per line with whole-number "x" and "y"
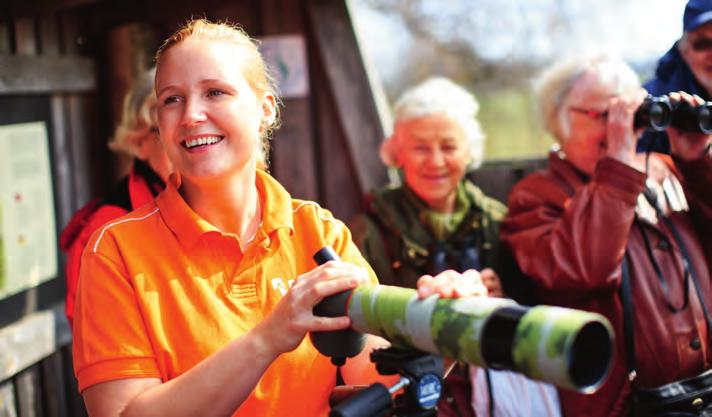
{"x": 569, "y": 233}
{"x": 138, "y": 188}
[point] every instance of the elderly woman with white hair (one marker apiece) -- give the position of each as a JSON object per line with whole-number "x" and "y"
{"x": 594, "y": 232}
{"x": 437, "y": 220}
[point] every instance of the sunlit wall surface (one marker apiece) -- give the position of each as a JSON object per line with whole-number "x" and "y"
{"x": 496, "y": 48}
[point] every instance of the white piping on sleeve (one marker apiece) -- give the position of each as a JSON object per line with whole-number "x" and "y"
{"x": 119, "y": 222}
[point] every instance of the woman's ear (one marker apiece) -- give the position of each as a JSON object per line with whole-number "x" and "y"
{"x": 389, "y": 152}
{"x": 269, "y": 110}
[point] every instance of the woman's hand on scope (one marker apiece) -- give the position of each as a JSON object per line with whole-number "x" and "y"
{"x": 293, "y": 317}
{"x": 451, "y": 284}
{"x": 683, "y": 144}
{"x": 620, "y": 136}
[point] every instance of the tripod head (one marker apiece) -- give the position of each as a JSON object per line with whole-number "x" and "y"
{"x": 421, "y": 378}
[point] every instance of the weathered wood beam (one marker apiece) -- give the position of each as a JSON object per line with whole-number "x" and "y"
{"x": 348, "y": 79}
{"x": 293, "y": 161}
{"x": 46, "y": 74}
{"x": 7, "y": 400}
{"x": 31, "y": 339}
{"x": 24, "y": 8}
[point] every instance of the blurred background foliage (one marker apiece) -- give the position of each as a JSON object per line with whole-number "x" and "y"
{"x": 497, "y": 48}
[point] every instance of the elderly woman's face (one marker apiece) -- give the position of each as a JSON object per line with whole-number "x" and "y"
{"x": 587, "y": 108}
{"x": 433, "y": 154}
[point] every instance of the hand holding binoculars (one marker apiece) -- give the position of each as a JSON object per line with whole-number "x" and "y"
{"x": 659, "y": 112}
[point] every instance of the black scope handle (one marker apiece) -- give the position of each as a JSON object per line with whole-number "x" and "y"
{"x": 339, "y": 344}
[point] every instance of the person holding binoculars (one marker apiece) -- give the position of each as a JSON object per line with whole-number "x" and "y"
{"x": 687, "y": 66}
{"x": 595, "y": 231}
{"x": 198, "y": 303}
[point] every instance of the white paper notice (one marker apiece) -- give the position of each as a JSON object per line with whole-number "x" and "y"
{"x": 28, "y": 241}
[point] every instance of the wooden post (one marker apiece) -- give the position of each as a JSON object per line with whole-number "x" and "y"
{"x": 347, "y": 77}
{"x": 293, "y": 161}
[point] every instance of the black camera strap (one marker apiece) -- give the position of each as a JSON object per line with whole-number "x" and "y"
{"x": 626, "y": 290}
{"x": 686, "y": 259}
{"x": 628, "y": 319}
{"x": 661, "y": 278}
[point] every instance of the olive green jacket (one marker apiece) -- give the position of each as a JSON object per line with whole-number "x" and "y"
{"x": 397, "y": 244}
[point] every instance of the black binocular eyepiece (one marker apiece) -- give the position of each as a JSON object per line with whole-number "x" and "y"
{"x": 658, "y": 113}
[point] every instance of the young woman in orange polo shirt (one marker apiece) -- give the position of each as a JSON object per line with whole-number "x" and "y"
{"x": 199, "y": 303}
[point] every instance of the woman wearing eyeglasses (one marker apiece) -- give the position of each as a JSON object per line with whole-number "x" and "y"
{"x": 594, "y": 232}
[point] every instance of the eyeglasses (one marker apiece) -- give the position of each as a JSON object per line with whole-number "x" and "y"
{"x": 701, "y": 45}
{"x": 593, "y": 114}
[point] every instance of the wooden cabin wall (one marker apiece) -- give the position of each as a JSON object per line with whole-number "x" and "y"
{"x": 45, "y": 76}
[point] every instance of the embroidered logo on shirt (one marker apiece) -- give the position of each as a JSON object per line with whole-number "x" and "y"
{"x": 282, "y": 285}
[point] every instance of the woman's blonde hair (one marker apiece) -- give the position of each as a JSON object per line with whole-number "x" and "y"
{"x": 255, "y": 70}
{"x": 438, "y": 95}
{"x": 138, "y": 116}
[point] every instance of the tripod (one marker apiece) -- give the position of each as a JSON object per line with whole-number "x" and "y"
{"x": 421, "y": 378}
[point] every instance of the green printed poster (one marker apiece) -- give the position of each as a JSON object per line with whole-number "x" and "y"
{"x": 28, "y": 241}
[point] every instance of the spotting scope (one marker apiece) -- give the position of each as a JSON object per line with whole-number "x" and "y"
{"x": 568, "y": 348}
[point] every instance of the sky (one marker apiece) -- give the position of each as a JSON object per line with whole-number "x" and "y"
{"x": 533, "y": 30}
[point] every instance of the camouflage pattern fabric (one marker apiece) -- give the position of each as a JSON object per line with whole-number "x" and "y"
{"x": 543, "y": 346}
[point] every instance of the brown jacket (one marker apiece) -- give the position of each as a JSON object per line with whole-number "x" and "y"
{"x": 569, "y": 234}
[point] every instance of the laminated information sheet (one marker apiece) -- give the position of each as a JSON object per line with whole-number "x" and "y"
{"x": 28, "y": 241}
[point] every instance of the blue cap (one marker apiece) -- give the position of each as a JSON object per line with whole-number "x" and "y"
{"x": 697, "y": 13}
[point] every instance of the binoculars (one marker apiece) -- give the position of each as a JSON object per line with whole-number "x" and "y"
{"x": 658, "y": 113}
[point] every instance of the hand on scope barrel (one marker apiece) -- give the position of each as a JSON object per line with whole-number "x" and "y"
{"x": 684, "y": 144}
{"x": 621, "y": 137}
{"x": 451, "y": 284}
{"x": 292, "y": 318}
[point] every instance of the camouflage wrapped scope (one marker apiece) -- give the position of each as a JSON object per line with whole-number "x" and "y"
{"x": 568, "y": 348}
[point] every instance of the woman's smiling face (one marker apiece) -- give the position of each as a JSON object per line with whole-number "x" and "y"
{"x": 433, "y": 154}
{"x": 209, "y": 115}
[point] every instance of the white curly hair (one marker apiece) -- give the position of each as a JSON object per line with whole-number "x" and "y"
{"x": 556, "y": 82}
{"x": 438, "y": 95}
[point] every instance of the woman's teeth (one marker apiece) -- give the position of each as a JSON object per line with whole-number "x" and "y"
{"x": 203, "y": 140}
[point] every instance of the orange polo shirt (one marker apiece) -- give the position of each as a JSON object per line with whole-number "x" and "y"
{"x": 161, "y": 289}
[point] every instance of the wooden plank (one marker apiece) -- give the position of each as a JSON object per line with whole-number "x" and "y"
{"x": 27, "y": 387}
{"x": 292, "y": 160}
{"x": 25, "y": 36}
{"x": 347, "y": 77}
{"x": 5, "y": 38}
{"x": 63, "y": 158}
{"x": 339, "y": 188}
{"x": 91, "y": 164}
{"x": 69, "y": 37}
{"x": 50, "y": 74}
{"x": 31, "y": 339}
{"x": 24, "y": 8}
{"x": 48, "y": 34}
{"x": 7, "y": 400}
{"x": 54, "y": 390}
{"x": 75, "y": 403}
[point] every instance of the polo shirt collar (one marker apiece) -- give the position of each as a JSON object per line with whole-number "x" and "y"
{"x": 276, "y": 204}
{"x": 189, "y": 227}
